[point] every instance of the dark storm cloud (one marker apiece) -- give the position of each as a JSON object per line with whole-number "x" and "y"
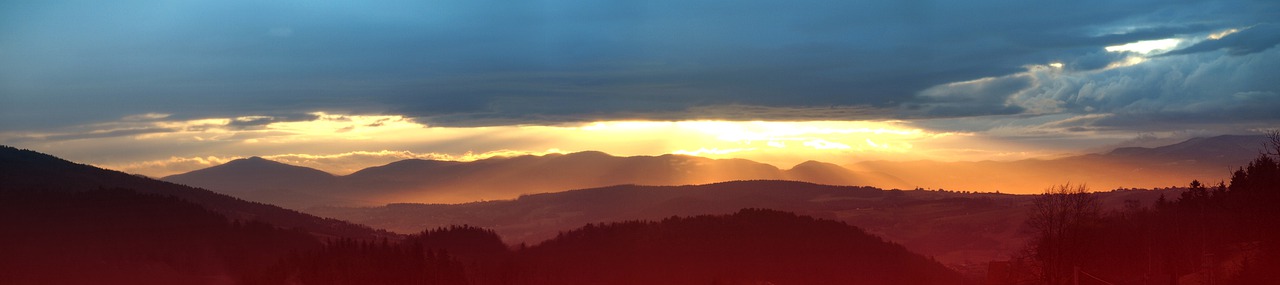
{"x": 545, "y": 62}
{"x": 981, "y": 97}
{"x": 259, "y": 121}
{"x": 113, "y": 133}
{"x": 90, "y": 135}
{"x": 1165, "y": 93}
{"x": 1251, "y": 40}
{"x": 1096, "y": 60}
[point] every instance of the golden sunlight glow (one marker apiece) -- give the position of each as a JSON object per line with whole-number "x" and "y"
{"x": 1146, "y": 47}
{"x": 1219, "y": 35}
{"x": 1128, "y": 61}
{"x": 727, "y": 138}
{"x": 710, "y": 152}
{"x": 348, "y": 127}
{"x": 342, "y": 143}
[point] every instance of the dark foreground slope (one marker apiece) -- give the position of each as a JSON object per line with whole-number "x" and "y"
{"x": 68, "y": 223}
{"x": 25, "y": 170}
{"x": 749, "y": 247}
{"x": 118, "y": 236}
{"x": 1210, "y": 234}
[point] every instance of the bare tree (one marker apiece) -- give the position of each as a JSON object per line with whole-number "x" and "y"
{"x": 1062, "y": 221}
{"x": 1272, "y": 145}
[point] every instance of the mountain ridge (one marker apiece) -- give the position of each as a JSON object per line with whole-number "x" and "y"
{"x": 499, "y": 178}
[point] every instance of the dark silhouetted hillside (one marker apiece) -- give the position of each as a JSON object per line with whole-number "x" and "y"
{"x": 118, "y": 236}
{"x": 24, "y": 170}
{"x": 426, "y": 258}
{"x": 747, "y": 247}
{"x": 1212, "y": 233}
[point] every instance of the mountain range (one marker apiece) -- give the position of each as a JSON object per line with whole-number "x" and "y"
{"x": 416, "y": 180}
{"x": 501, "y": 178}
{"x": 959, "y": 228}
{"x": 68, "y": 223}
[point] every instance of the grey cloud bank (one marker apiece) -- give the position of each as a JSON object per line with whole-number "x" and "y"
{"x": 474, "y": 63}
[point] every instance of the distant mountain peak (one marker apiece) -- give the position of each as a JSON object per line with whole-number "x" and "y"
{"x": 589, "y": 153}
{"x": 815, "y": 164}
{"x": 1200, "y": 142}
{"x": 1218, "y": 150}
{"x": 239, "y": 175}
{"x": 259, "y": 166}
{"x": 254, "y": 160}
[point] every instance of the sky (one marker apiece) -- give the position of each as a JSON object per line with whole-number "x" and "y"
{"x": 161, "y": 87}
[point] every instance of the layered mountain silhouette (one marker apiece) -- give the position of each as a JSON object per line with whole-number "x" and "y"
{"x": 417, "y": 180}
{"x": 68, "y": 223}
{"x": 954, "y": 227}
{"x": 430, "y": 181}
{"x": 120, "y": 236}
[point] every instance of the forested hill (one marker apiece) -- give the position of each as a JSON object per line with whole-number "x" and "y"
{"x": 752, "y": 246}
{"x": 25, "y": 170}
{"x": 1213, "y": 233}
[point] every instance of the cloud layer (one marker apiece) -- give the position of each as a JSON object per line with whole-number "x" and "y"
{"x": 544, "y": 62}
{"x": 136, "y": 82}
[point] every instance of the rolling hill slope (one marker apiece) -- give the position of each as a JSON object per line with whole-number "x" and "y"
{"x": 25, "y": 170}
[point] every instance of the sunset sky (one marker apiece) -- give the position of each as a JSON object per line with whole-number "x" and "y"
{"x": 161, "y": 87}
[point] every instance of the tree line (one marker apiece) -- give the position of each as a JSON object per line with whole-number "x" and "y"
{"x": 1224, "y": 233}
{"x": 752, "y": 246}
